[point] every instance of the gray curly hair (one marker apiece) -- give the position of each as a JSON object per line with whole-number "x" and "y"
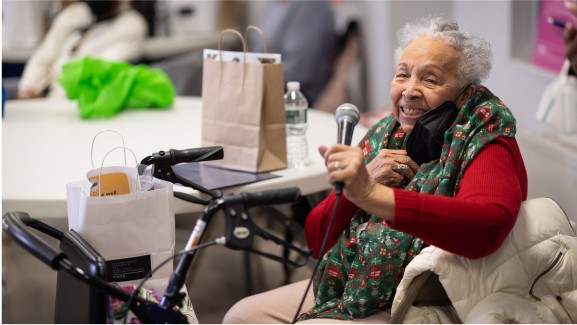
{"x": 477, "y": 54}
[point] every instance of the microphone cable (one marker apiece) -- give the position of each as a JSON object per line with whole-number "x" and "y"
{"x": 220, "y": 241}
{"x": 323, "y": 246}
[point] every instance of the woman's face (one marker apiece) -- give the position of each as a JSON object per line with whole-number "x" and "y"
{"x": 426, "y": 77}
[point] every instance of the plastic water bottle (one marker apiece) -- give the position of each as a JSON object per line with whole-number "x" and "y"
{"x": 296, "y": 106}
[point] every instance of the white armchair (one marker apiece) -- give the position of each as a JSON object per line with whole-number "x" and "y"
{"x": 534, "y": 270}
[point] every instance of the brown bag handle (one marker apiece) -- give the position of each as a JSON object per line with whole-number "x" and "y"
{"x": 243, "y": 48}
{"x": 237, "y": 34}
{"x": 252, "y": 27}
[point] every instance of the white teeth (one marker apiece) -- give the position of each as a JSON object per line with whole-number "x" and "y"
{"x": 414, "y": 111}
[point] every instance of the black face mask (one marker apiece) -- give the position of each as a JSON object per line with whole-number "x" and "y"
{"x": 426, "y": 140}
{"x": 102, "y": 9}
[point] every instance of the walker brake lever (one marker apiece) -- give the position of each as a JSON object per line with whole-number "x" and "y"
{"x": 240, "y": 231}
{"x": 303, "y": 254}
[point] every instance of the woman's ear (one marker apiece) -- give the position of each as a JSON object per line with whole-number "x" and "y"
{"x": 465, "y": 95}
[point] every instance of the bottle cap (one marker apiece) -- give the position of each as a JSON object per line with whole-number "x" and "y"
{"x": 293, "y": 85}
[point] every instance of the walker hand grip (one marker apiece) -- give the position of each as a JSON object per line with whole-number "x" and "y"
{"x": 271, "y": 197}
{"x": 196, "y": 155}
{"x": 16, "y": 223}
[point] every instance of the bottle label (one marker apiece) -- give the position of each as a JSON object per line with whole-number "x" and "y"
{"x": 296, "y": 116}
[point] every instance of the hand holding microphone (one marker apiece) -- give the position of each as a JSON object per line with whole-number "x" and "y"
{"x": 346, "y": 164}
{"x": 347, "y": 116}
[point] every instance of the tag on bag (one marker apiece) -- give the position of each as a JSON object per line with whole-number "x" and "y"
{"x": 108, "y": 181}
{"x": 232, "y": 56}
{"x": 558, "y": 106}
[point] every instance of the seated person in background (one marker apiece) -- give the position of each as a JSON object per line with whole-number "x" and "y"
{"x": 303, "y": 32}
{"x": 346, "y": 65}
{"x": 104, "y": 29}
{"x": 463, "y": 199}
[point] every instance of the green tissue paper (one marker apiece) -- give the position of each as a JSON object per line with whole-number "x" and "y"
{"x": 104, "y": 88}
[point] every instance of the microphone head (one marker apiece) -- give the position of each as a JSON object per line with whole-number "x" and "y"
{"x": 347, "y": 112}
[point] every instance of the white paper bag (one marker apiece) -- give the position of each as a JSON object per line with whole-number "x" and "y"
{"x": 133, "y": 230}
{"x": 134, "y": 233}
{"x": 558, "y": 106}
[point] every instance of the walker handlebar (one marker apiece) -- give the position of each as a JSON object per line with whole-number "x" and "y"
{"x": 16, "y": 224}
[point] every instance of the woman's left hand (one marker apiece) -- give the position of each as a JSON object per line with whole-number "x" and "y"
{"x": 391, "y": 167}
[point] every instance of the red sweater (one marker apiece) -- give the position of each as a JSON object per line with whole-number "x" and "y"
{"x": 472, "y": 224}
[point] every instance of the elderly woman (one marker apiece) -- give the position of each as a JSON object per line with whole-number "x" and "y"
{"x": 404, "y": 190}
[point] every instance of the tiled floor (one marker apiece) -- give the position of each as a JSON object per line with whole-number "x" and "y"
{"x": 215, "y": 282}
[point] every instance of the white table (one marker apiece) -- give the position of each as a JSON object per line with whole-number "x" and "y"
{"x": 44, "y": 141}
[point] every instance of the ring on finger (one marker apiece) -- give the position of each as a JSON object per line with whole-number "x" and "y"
{"x": 337, "y": 167}
{"x": 401, "y": 166}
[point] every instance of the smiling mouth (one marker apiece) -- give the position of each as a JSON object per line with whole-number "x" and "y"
{"x": 413, "y": 111}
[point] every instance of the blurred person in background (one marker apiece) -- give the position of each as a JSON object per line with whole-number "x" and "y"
{"x": 571, "y": 37}
{"x": 104, "y": 29}
{"x": 303, "y": 32}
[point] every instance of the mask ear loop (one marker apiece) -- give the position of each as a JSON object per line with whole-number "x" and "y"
{"x": 94, "y": 139}
{"x": 102, "y": 166}
{"x": 462, "y": 92}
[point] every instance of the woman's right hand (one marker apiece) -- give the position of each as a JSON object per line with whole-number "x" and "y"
{"x": 391, "y": 167}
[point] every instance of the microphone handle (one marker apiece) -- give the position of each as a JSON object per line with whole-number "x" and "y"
{"x": 345, "y": 133}
{"x": 344, "y": 136}
{"x": 339, "y": 188}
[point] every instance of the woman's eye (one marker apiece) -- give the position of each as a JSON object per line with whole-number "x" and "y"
{"x": 401, "y": 75}
{"x": 431, "y": 81}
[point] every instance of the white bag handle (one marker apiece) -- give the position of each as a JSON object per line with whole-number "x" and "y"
{"x": 94, "y": 139}
{"x": 102, "y": 166}
{"x": 558, "y": 105}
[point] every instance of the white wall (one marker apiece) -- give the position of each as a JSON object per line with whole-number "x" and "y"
{"x": 517, "y": 83}
{"x": 550, "y": 159}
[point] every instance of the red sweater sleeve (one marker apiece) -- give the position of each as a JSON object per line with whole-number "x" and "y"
{"x": 472, "y": 224}
{"x": 475, "y": 223}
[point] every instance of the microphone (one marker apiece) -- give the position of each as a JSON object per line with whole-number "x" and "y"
{"x": 347, "y": 117}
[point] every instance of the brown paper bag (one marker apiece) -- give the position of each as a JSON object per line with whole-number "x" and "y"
{"x": 243, "y": 111}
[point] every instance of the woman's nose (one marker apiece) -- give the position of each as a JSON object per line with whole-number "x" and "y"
{"x": 412, "y": 89}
